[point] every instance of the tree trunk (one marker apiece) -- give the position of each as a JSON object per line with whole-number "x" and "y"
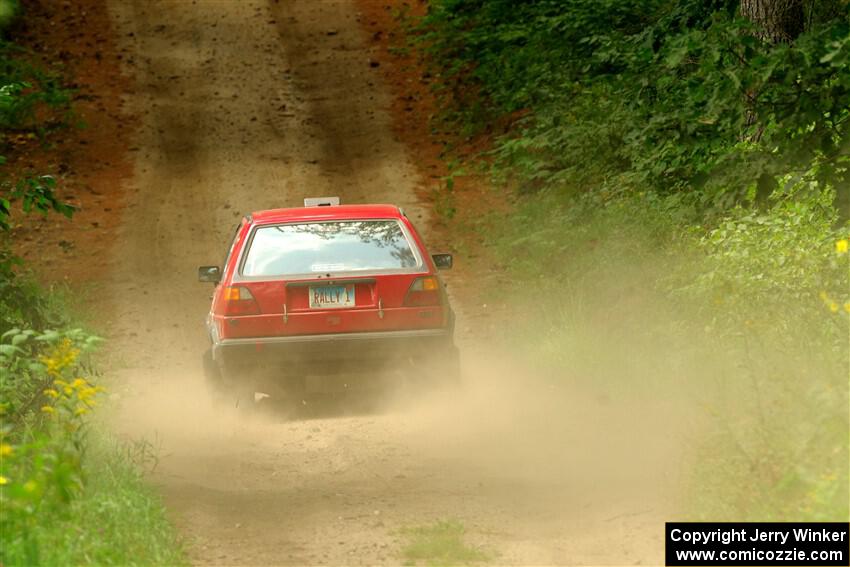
{"x": 779, "y": 21}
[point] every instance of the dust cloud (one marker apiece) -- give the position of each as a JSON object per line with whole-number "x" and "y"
{"x": 540, "y": 471}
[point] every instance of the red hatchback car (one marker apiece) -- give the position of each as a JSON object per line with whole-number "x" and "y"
{"x": 324, "y": 298}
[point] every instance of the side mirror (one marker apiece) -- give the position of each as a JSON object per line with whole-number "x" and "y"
{"x": 442, "y": 261}
{"x": 210, "y": 274}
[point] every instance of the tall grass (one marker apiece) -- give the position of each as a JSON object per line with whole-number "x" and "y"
{"x": 69, "y": 494}
{"x": 115, "y": 520}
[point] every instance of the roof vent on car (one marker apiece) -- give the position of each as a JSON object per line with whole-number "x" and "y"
{"x": 321, "y": 201}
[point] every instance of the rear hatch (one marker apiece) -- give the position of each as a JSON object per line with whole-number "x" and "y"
{"x": 331, "y": 277}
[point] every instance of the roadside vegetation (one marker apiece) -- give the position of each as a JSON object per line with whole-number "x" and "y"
{"x": 440, "y": 543}
{"x": 69, "y": 494}
{"x": 682, "y": 203}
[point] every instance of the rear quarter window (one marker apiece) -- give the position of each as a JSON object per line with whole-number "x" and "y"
{"x": 329, "y": 247}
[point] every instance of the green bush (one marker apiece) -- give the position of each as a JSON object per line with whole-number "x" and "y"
{"x": 59, "y": 502}
{"x": 114, "y": 518}
{"x": 665, "y": 95}
{"x": 729, "y": 322}
{"x": 8, "y": 12}
{"x": 32, "y": 102}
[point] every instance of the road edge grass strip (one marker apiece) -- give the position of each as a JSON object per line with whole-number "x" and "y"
{"x": 440, "y": 543}
{"x": 117, "y": 519}
{"x": 70, "y": 493}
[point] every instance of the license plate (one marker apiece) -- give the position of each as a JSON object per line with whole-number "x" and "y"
{"x": 331, "y": 296}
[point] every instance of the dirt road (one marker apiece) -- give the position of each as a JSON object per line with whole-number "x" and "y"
{"x": 252, "y": 104}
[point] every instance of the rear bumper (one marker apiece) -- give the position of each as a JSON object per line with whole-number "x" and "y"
{"x": 349, "y": 349}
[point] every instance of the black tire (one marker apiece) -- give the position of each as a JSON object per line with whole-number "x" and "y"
{"x": 231, "y": 387}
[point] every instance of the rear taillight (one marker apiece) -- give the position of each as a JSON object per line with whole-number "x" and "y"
{"x": 424, "y": 292}
{"x": 239, "y": 301}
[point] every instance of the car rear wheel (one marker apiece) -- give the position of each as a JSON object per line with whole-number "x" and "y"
{"x": 232, "y": 386}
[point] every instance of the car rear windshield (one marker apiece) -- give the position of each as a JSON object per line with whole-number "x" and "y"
{"x": 326, "y": 247}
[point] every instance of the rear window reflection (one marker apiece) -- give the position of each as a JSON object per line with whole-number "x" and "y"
{"x": 328, "y": 247}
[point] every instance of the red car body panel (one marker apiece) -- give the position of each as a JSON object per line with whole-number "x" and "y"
{"x": 281, "y": 306}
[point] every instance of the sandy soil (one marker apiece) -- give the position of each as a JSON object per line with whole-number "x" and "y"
{"x": 252, "y": 104}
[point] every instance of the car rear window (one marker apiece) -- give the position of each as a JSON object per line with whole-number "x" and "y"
{"x": 325, "y": 247}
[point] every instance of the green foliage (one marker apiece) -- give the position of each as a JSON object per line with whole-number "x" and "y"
{"x": 27, "y": 369}
{"x": 8, "y": 12}
{"x": 663, "y": 95}
{"x": 59, "y": 503}
{"x": 24, "y": 303}
{"x": 115, "y": 519}
{"x": 440, "y": 543}
{"x": 744, "y": 323}
{"x": 41, "y": 469}
{"x": 36, "y": 194}
{"x": 782, "y": 260}
{"x": 642, "y": 307}
{"x": 31, "y": 99}
{"x": 31, "y": 102}
{"x": 24, "y": 91}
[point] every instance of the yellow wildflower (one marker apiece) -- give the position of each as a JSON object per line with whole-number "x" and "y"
{"x": 48, "y": 409}
{"x": 847, "y": 307}
{"x": 62, "y": 356}
{"x": 51, "y": 393}
{"x": 5, "y": 449}
{"x": 79, "y": 383}
{"x": 833, "y": 307}
{"x": 3, "y": 480}
{"x": 841, "y": 246}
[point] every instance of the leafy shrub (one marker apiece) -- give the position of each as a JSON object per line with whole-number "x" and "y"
{"x": 68, "y": 494}
{"x": 782, "y": 260}
{"x": 26, "y": 89}
{"x": 744, "y": 322}
{"x": 26, "y": 372}
{"x": 8, "y": 12}
{"x": 32, "y": 101}
{"x": 663, "y": 95}
{"x": 43, "y": 402}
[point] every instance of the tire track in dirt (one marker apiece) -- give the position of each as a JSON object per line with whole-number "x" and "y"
{"x": 250, "y": 105}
